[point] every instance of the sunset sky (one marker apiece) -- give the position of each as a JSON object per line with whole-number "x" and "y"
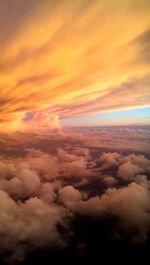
{"x": 74, "y": 132}
{"x": 74, "y": 63}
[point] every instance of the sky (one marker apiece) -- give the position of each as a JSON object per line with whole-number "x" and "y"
{"x": 74, "y": 63}
{"x": 139, "y": 116}
{"x": 79, "y": 193}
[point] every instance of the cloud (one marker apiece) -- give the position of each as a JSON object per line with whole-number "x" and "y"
{"x": 28, "y": 224}
{"x": 71, "y": 68}
{"x": 143, "y": 44}
{"x": 42, "y": 191}
{"x": 128, "y": 170}
{"x": 24, "y": 184}
{"x": 69, "y": 194}
{"x": 130, "y": 204}
{"x": 110, "y": 181}
{"x": 109, "y": 160}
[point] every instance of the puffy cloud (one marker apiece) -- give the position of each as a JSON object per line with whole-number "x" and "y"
{"x": 69, "y": 194}
{"x": 42, "y": 121}
{"x": 128, "y": 170}
{"x": 110, "y": 181}
{"x": 6, "y": 171}
{"x": 43, "y": 190}
{"x": 76, "y": 169}
{"x": 141, "y": 161}
{"x": 46, "y": 165}
{"x": 109, "y": 160}
{"x": 25, "y": 184}
{"x": 32, "y": 223}
{"x": 46, "y": 193}
{"x": 130, "y": 204}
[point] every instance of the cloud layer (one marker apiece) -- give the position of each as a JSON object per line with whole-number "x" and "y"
{"x": 72, "y": 59}
{"x": 42, "y": 192}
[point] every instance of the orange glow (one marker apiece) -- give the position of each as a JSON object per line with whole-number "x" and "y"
{"x": 75, "y": 58}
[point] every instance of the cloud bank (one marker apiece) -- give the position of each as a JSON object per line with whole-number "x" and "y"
{"x": 42, "y": 192}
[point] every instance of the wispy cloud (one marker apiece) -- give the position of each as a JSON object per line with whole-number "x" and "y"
{"x": 72, "y": 58}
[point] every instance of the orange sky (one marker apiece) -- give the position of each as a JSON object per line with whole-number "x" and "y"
{"x": 71, "y": 58}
